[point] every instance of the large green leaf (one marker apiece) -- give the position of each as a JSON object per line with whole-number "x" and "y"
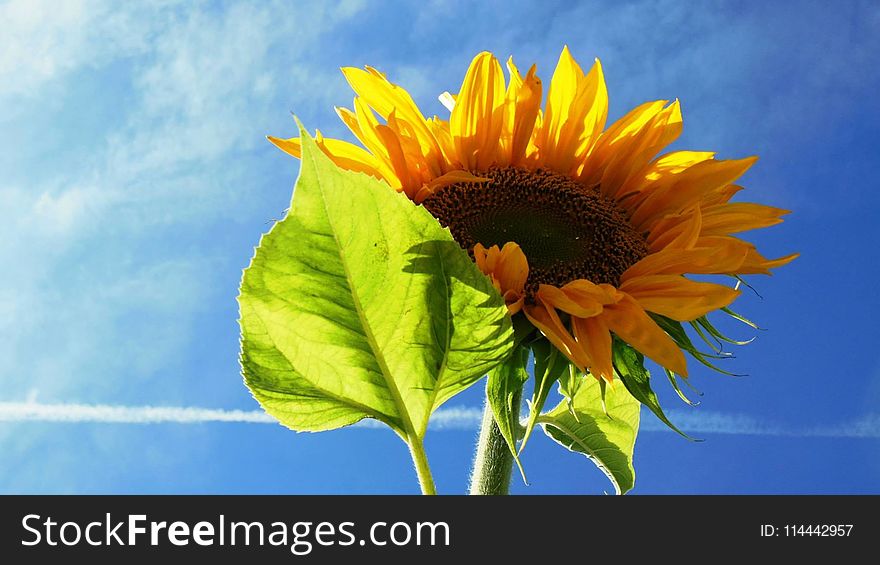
{"x": 607, "y": 439}
{"x": 358, "y": 304}
{"x": 504, "y": 392}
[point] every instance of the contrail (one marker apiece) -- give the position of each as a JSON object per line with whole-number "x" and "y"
{"x": 450, "y": 418}
{"x": 39, "y": 412}
{"x": 707, "y": 422}
{"x": 444, "y": 418}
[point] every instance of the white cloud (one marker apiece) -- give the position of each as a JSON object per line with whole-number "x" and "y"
{"x": 101, "y": 280}
{"x": 65, "y": 212}
{"x": 708, "y": 422}
{"x": 44, "y": 39}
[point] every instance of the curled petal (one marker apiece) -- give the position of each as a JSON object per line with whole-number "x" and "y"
{"x": 583, "y": 305}
{"x": 593, "y": 335}
{"x": 508, "y": 269}
{"x": 545, "y": 318}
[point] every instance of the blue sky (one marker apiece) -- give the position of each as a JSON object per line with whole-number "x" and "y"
{"x": 137, "y": 179}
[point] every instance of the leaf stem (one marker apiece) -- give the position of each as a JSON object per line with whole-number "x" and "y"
{"x": 493, "y": 462}
{"x": 420, "y": 460}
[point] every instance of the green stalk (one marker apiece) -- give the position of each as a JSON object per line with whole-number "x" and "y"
{"x": 420, "y": 460}
{"x": 493, "y": 462}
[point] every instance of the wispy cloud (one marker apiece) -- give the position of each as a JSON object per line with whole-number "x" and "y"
{"x": 707, "y": 422}
{"x": 31, "y": 411}
{"x": 43, "y": 40}
{"x": 109, "y": 414}
{"x": 120, "y": 207}
{"x": 451, "y": 418}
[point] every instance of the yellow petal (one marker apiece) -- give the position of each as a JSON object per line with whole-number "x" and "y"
{"x": 630, "y": 322}
{"x": 634, "y": 154}
{"x": 452, "y": 177}
{"x": 711, "y": 260}
{"x": 344, "y": 154}
{"x": 486, "y": 259}
{"x": 582, "y": 290}
{"x": 386, "y": 97}
{"x": 513, "y": 268}
{"x": 617, "y": 136}
{"x": 292, "y": 146}
{"x": 659, "y": 173}
{"x": 757, "y": 264}
{"x": 581, "y": 306}
{"x": 597, "y": 114}
{"x": 508, "y": 270}
{"x": 440, "y": 130}
{"x": 576, "y": 110}
{"x": 545, "y": 318}
{"x": 477, "y": 118}
{"x": 351, "y": 157}
{"x": 558, "y": 136}
{"x": 367, "y": 125}
{"x": 514, "y": 304}
{"x": 720, "y": 195}
{"x": 524, "y": 108}
{"x": 420, "y": 168}
{"x": 676, "y": 162}
{"x": 593, "y": 335}
{"x": 689, "y": 188}
{"x": 738, "y": 217}
{"x": 680, "y": 231}
{"x": 677, "y": 297}
{"x": 397, "y": 159}
{"x": 350, "y": 120}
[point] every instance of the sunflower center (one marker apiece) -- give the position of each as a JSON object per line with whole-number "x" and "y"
{"x": 567, "y": 231}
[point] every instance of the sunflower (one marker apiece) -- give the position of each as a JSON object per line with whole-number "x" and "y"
{"x": 583, "y": 229}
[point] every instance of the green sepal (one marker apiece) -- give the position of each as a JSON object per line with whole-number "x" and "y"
{"x": 550, "y": 365}
{"x": 504, "y": 393}
{"x": 680, "y": 337}
{"x": 629, "y": 365}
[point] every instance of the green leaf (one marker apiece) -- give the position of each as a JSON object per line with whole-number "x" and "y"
{"x": 630, "y": 367}
{"x": 504, "y": 392}
{"x": 607, "y": 439}
{"x": 550, "y": 365}
{"x": 358, "y": 304}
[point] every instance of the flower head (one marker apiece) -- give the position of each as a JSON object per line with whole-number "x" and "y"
{"x": 583, "y": 229}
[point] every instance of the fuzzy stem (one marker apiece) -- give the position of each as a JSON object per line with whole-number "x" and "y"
{"x": 420, "y": 460}
{"x": 493, "y": 462}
